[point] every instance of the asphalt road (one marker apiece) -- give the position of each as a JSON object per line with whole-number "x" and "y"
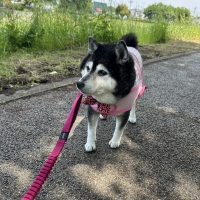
{"x": 159, "y": 157}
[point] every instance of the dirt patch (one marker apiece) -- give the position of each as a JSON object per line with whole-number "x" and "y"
{"x": 29, "y": 70}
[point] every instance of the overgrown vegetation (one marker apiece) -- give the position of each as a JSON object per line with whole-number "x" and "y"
{"x": 62, "y": 29}
{"x": 160, "y": 11}
{"x": 29, "y": 34}
{"x": 57, "y": 28}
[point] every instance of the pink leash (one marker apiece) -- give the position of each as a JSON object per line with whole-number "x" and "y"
{"x": 48, "y": 165}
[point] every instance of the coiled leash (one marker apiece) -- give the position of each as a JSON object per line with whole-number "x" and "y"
{"x": 48, "y": 165}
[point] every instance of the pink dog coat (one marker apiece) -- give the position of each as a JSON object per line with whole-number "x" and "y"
{"x": 127, "y": 102}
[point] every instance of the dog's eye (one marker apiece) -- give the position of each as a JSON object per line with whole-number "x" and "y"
{"x": 87, "y": 68}
{"x": 102, "y": 73}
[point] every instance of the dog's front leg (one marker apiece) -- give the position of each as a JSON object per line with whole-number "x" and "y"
{"x": 132, "y": 116}
{"x": 92, "y": 116}
{"x": 121, "y": 121}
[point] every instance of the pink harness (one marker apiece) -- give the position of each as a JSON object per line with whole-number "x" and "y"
{"x": 127, "y": 102}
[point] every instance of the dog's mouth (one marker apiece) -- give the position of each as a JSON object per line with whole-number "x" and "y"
{"x": 80, "y": 86}
{"x": 89, "y": 90}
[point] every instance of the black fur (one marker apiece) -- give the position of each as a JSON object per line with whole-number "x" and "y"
{"x": 131, "y": 40}
{"x": 106, "y": 54}
{"x": 91, "y": 113}
{"x": 124, "y": 119}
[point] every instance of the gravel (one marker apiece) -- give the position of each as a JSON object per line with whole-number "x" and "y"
{"x": 159, "y": 156}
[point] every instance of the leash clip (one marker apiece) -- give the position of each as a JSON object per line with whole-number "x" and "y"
{"x": 64, "y": 135}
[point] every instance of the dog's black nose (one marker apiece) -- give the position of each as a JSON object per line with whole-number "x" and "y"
{"x": 80, "y": 84}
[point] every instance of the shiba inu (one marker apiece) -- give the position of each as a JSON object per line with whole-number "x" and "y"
{"x": 112, "y": 76}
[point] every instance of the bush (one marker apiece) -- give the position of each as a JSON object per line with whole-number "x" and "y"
{"x": 18, "y": 34}
{"x": 15, "y": 6}
{"x": 159, "y": 32}
{"x": 59, "y": 29}
{"x": 102, "y": 28}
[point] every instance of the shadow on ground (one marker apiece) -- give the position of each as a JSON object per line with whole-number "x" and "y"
{"x": 158, "y": 159}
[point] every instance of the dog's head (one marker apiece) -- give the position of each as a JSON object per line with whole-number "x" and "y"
{"x": 105, "y": 71}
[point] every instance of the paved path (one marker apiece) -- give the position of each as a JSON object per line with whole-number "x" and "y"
{"x": 159, "y": 157}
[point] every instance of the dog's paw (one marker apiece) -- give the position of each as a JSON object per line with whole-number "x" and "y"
{"x": 114, "y": 144}
{"x": 101, "y": 117}
{"x": 132, "y": 120}
{"x": 90, "y": 147}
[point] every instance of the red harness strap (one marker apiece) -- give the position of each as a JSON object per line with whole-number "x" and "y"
{"x": 48, "y": 165}
{"x": 103, "y": 108}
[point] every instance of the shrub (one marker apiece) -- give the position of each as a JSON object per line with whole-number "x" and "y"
{"x": 159, "y": 32}
{"x": 15, "y": 6}
{"x": 102, "y": 28}
{"x": 62, "y": 29}
{"x": 19, "y": 34}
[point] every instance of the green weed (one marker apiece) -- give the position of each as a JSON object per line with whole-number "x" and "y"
{"x": 184, "y": 31}
{"x": 60, "y": 29}
{"x": 29, "y": 39}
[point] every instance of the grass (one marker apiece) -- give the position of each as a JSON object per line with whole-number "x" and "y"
{"x": 35, "y": 44}
{"x": 23, "y": 68}
{"x": 185, "y": 32}
{"x": 28, "y": 69}
{"x": 61, "y": 29}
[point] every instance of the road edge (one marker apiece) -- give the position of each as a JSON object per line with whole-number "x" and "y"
{"x": 49, "y": 86}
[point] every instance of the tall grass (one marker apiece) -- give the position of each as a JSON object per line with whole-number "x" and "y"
{"x": 63, "y": 29}
{"x": 148, "y": 33}
{"x": 16, "y": 31}
{"x": 184, "y": 31}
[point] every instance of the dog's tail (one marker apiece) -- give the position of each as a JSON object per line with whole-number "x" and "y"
{"x": 131, "y": 40}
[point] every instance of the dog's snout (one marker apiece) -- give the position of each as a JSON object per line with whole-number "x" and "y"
{"x": 80, "y": 84}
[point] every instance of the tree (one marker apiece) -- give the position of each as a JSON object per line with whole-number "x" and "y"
{"x": 155, "y": 11}
{"x": 183, "y": 13}
{"x": 122, "y": 10}
{"x": 164, "y": 12}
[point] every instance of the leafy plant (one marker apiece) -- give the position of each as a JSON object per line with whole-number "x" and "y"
{"x": 19, "y": 34}
{"x": 159, "y": 32}
{"x": 59, "y": 29}
{"x": 102, "y": 28}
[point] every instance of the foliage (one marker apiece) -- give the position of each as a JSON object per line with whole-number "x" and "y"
{"x": 102, "y": 28}
{"x": 16, "y": 36}
{"x": 184, "y": 31}
{"x": 1, "y": 3}
{"x": 19, "y": 7}
{"x": 122, "y": 10}
{"x": 60, "y": 29}
{"x": 159, "y": 31}
{"x": 76, "y": 4}
{"x": 183, "y": 13}
{"x": 169, "y": 13}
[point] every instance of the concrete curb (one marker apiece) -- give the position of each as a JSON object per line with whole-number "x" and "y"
{"x": 160, "y": 59}
{"x": 46, "y": 87}
{"x": 37, "y": 89}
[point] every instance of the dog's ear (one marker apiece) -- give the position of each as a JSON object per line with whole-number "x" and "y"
{"x": 121, "y": 52}
{"x": 92, "y": 45}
